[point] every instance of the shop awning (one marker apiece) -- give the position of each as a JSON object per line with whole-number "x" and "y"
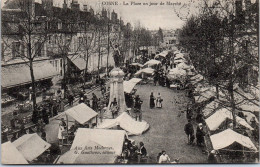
{"x": 78, "y": 61}
{"x": 10, "y": 154}
{"x": 135, "y": 80}
{"x": 81, "y": 113}
{"x": 107, "y": 138}
{"x": 19, "y": 74}
{"x": 31, "y": 146}
{"x": 226, "y": 138}
{"x": 129, "y": 85}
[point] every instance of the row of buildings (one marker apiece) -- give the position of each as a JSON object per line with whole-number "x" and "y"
{"x": 55, "y": 41}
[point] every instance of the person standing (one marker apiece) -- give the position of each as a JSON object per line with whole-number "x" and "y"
{"x": 200, "y": 135}
{"x": 94, "y": 102}
{"x": 164, "y": 158}
{"x": 62, "y": 128}
{"x": 212, "y": 157}
{"x": 142, "y": 153}
{"x": 152, "y": 99}
{"x": 159, "y": 101}
{"x": 71, "y": 99}
{"x": 45, "y": 116}
{"x": 189, "y": 131}
{"x": 155, "y": 78}
{"x": 55, "y": 107}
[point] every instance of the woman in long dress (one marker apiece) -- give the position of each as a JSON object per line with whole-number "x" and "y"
{"x": 152, "y": 98}
{"x": 159, "y": 101}
{"x": 62, "y": 127}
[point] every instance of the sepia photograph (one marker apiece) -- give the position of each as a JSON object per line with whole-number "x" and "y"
{"x": 129, "y": 82}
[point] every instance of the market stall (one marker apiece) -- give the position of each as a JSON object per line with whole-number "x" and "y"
{"x": 215, "y": 121}
{"x": 82, "y": 114}
{"x": 31, "y": 146}
{"x": 113, "y": 139}
{"x": 127, "y": 123}
{"x": 152, "y": 62}
{"x": 104, "y": 155}
{"x": 233, "y": 147}
{"x": 10, "y": 155}
{"x": 129, "y": 85}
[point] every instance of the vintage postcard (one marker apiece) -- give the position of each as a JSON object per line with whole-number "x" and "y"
{"x": 129, "y": 81}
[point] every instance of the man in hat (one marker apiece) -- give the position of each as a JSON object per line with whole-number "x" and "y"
{"x": 189, "y": 131}
{"x": 200, "y": 135}
{"x": 212, "y": 158}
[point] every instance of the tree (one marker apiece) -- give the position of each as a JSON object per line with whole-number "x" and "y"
{"x": 160, "y": 35}
{"x": 218, "y": 42}
{"x": 30, "y": 33}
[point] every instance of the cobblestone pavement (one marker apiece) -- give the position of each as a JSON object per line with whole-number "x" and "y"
{"x": 167, "y": 126}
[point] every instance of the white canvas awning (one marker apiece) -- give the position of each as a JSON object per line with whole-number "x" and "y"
{"x": 107, "y": 138}
{"x": 88, "y": 156}
{"x": 179, "y": 56}
{"x": 227, "y": 137}
{"x": 127, "y": 123}
{"x": 177, "y": 74}
{"x": 149, "y": 71}
{"x": 162, "y": 54}
{"x": 31, "y": 146}
{"x": 135, "y": 80}
{"x": 152, "y": 62}
{"x": 180, "y": 61}
{"x": 215, "y": 120}
{"x": 176, "y": 52}
{"x": 183, "y": 66}
{"x": 203, "y": 96}
{"x": 81, "y": 113}
{"x": 196, "y": 79}
{"x": 129, "y": 85}
{"x": 210, "y": 108}
{"x": 10, "y": 154}
{"x": 137, "y": 64}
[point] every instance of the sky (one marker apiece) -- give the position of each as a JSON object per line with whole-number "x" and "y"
{"x": 165, "y": 16}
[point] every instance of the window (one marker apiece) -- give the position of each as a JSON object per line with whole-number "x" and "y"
{"x": 49, "y": 39}
{"x": 61, "y": 67}
{"x": 39, "y": 49}
{"x": 16, "y": 49}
